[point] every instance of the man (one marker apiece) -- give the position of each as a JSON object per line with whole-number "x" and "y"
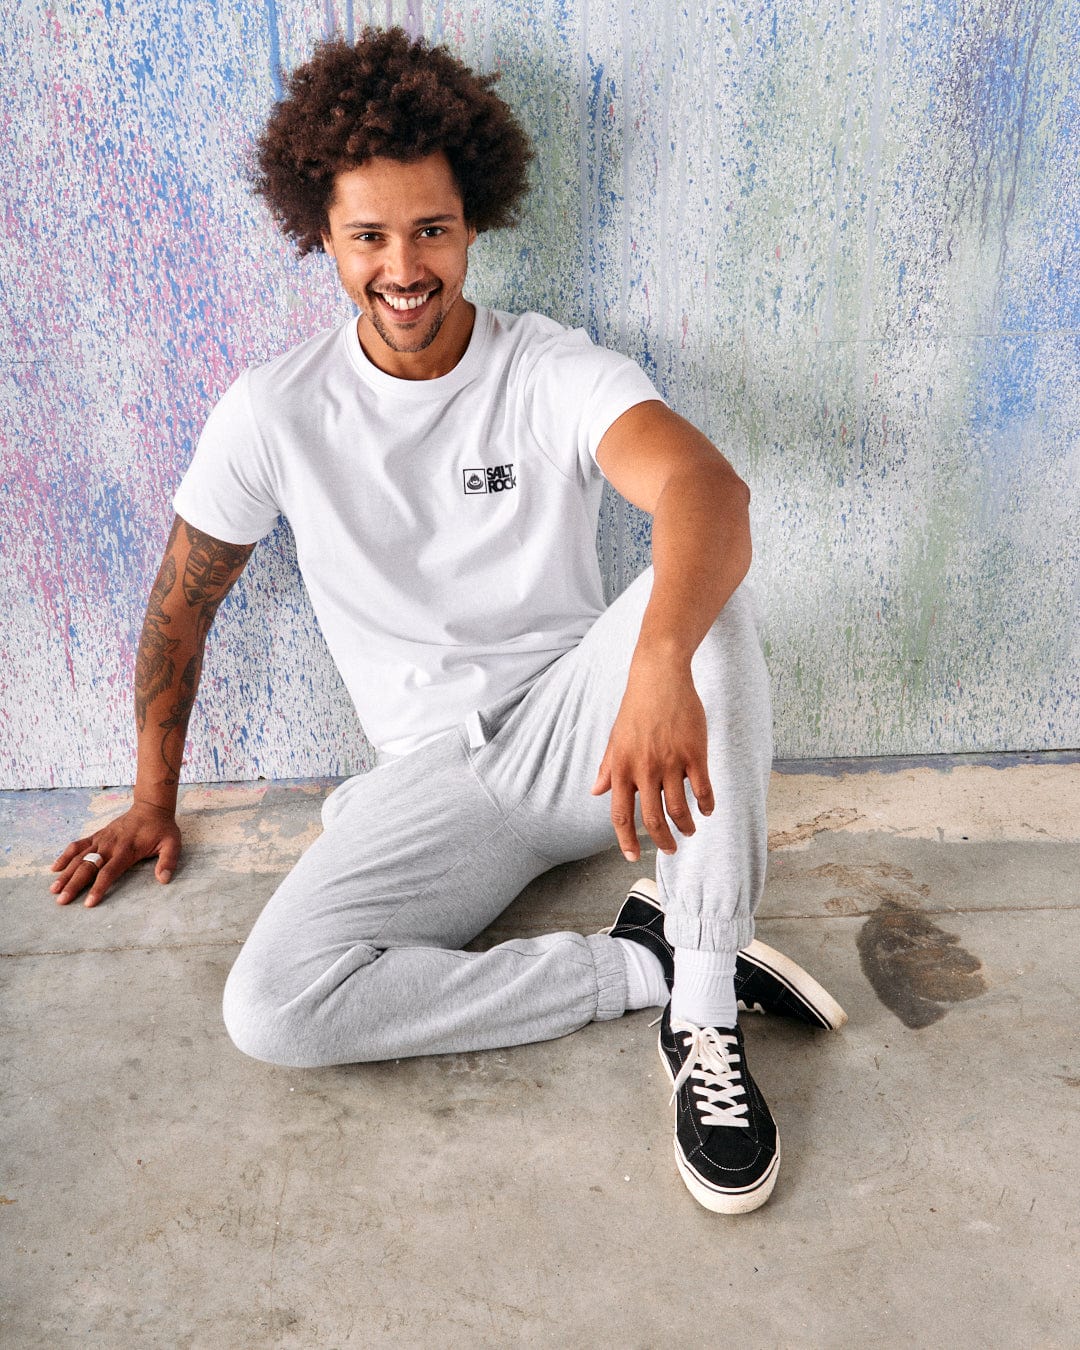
{"x": 441, "y": 467}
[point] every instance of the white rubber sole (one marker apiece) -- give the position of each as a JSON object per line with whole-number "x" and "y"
{"x": 718, "y": 1201}
{"x": 802, "y": 985}
{"x": 729, "y": 1202}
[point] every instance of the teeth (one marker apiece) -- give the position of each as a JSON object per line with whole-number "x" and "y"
{"x": 405, "y": 301}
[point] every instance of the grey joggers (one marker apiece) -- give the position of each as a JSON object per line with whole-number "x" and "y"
{"x": 357, "y": 955}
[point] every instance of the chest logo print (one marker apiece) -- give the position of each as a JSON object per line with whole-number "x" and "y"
{"x": 500, "y": 479}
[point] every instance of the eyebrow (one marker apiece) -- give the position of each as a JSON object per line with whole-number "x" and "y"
{"x": 378, "y": 225}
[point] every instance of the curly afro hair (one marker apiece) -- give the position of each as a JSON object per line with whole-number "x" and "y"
{"x": 388, "y": 96}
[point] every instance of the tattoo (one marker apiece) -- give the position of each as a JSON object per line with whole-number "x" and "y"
{"x": 210, "y": 568}
{"x": 154, "y": 668}
{"x": 175, "y": 725}
{"x": 209, "y": 572}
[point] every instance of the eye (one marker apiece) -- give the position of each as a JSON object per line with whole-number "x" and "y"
{"x": 366, "y": 237}
{"x": 432, "y": 232}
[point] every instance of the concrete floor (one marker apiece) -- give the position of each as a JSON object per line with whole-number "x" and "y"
{"x": 159, "y": 1189}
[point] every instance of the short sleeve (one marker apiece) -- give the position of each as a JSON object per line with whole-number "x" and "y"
{"x": 574, "y": 393}
{"x": 227, "y": 490}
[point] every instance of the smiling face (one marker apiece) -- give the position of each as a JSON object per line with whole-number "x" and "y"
{"x": 398, "y": 234}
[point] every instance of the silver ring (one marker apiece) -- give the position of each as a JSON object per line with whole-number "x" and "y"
{"x": 94, "y": 858}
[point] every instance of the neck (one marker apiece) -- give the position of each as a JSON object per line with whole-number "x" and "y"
{"x": 439, "y": 359}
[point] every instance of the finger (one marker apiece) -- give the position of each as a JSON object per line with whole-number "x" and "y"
{"x": 622, "y": 819}
{"x": 701, "y": 787}
{"x": 70, "y": 853}
{"x": 74, "y": 854}
{"x": 168, "y": 857}
{"x": 603, "y": 778}
{"x": 653, "y": 817}
{"x": 104, "y": 880}
{"x": 58, "y": 884}
{"x": 78, "y": 876}
{"x": 676, "y": 805}
{"x": 75, "y": 876}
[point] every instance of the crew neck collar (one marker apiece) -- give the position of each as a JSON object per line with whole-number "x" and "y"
{"x": 465, "y": 370}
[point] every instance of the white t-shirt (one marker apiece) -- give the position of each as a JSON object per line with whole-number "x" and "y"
{"x": 445, "y": 528}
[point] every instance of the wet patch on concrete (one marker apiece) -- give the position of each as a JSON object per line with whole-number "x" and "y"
{"x": 917, "y": 969}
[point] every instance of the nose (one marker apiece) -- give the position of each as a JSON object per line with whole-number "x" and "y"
{"x": 401, "y": 263}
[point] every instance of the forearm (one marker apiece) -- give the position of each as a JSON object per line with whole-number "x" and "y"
{"x": 196, "y": 574}
{"x": 701, "y": 552}
{"x": 167, "y": 671}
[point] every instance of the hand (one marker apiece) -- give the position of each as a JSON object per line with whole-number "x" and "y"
{"x": 659, "y": 740}
{"x": 139, "y": 833}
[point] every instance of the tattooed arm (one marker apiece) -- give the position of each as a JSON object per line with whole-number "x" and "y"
{"x": 196, "y": 574}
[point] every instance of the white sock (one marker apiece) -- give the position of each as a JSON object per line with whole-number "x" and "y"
{"x": 645, "y": 983}
{"x": 704, "y": 990}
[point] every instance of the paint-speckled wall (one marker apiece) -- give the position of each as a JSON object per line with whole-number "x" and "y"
{"x": 844, "y": 238}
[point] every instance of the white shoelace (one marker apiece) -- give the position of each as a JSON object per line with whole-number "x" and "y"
{"x": 712, "y": 1062}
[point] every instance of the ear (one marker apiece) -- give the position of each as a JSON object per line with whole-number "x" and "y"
{"x": 328, "y": 245}
{"x": 472, "y": 236}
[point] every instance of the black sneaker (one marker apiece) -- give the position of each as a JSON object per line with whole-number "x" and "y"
{"x": 642, "y": 920}
{"x": 766, "y": 981}
{"x": 727, "y": 1147}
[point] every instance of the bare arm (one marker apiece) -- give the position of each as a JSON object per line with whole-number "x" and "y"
{"x": 196, "y": 574}
{"x": 701, "y": 552}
